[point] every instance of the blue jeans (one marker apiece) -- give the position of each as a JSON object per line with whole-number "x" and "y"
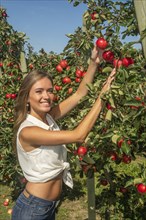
{"x": 33, "y": 208}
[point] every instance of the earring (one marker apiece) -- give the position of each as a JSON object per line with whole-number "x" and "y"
{"x": 28, "y": 106}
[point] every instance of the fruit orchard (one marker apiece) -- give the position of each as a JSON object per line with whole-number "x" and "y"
{"x": 115, "y": 149}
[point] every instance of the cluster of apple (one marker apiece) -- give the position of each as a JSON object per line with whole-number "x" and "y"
{"x": 104, "y": 182}
{"x": 125, "y": 158}
{"x": 141, "y": 187}
{"x": 62, "y": 65}
{"x": 108, "y": 55}
{"x": 11, "y": 96}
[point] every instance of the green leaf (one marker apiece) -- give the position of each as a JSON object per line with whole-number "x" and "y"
{"x": 115, "y": 87}
{"x": 125, "y": 148}
{"x": 121, "y": 92}
{"x": 137, "y": 180}
{"x": 115, "y": 138}
{"x": 132, "y": 103}
{"x": 88, "y": 160}
{"x": 108, "y": 115}
{"x": 111, "y": 101}
{"x": 107, "y": 70}
{"x": 129, "y": 183}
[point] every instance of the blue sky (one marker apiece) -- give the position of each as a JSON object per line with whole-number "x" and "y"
{"x": 45, "y": 22}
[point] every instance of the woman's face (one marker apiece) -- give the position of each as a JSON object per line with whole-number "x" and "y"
{"x": 41, "y": 96}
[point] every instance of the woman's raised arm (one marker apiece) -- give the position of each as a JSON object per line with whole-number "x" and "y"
{"x": 68, "y": 104}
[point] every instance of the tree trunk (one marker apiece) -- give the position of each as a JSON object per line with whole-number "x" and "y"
{"x": 140, "y": 10}
{"x": 91, "y": 195}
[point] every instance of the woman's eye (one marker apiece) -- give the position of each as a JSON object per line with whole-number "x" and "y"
{"x": 50, "y": 90}
{"x": 38, "y": 91}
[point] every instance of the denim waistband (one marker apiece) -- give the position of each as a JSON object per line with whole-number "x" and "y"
{"x": 33, "y": 199}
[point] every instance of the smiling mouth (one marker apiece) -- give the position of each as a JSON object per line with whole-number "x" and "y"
{"x": 46, "y": 103}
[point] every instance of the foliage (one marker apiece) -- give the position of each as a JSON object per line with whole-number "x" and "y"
{"x": 116, "y": 145}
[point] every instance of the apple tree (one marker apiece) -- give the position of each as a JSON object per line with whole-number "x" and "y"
{"x": 116, "y": 144}
{"x": 11, "y": 47}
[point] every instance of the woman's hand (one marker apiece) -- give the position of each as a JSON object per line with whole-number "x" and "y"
{"x": 108, "y": 82}
{"x": 96, "y": 55}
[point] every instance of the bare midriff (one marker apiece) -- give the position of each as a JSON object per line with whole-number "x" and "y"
{"x": 49, "y": 190}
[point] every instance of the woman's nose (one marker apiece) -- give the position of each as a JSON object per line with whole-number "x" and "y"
{"x": 46, "y": 95}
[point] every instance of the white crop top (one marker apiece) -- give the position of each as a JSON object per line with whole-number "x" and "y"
{"x": 45, "y": 162}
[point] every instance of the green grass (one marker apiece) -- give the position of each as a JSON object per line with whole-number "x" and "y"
{"x": 5, "y": 193}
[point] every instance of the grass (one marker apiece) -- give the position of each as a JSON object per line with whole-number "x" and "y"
{"x": 5, "y": 193}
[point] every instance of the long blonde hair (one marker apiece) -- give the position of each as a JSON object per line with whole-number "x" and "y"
{"x": 21, "y": 108}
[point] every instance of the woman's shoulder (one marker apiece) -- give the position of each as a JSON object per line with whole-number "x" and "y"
{"x": 25, "y": 123}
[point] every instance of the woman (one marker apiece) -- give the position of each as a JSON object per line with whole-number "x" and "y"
{"x": 41, "y": 145}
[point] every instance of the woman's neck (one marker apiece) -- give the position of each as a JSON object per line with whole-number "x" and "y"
{"x": 40, "y": 116}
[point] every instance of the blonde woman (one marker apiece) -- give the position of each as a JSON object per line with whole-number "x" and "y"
{"x": 40, "y": 144}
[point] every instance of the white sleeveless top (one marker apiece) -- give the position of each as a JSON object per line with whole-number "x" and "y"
{"x": 45, "y": 162}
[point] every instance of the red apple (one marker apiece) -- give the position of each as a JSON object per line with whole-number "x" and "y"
{"x": 68, "y": 68}
{"x": 93, "y": 16}
{"x": 117, "y": 63}
{"x": 141, "y": 188}
{"x": 108, "y": 56}
{"x": 70, "y": 90}
{"x": 120, "y": 142}
{"x": 101, "y": 43}
{"x": 30, "y": 66}
{"x": 55, "y": 98}
{"x": 134, "y": 107}
{"x": 82, "y": 150}
{"x": 83, "y": 73}
{"x": 79, "y": 73}
{"x": 113, "y": 155}
{"x": 77, "y": 80}
{"x": 63, "y": 63}
{"x": 129, "y": 142}
{"x": 59, "y": 68}
{"x": 137, "y": 98}
{"x": 85, "y": 168}
{"x": 126, "y": 158}
{"x": 127, "y": 61}
{"x": 104, "y": 182}
{"x": 8, "y": 95}
{"x": 66, "y": 80}
{"x": 109, "y": 107}
{"x": 8, "y": 42}
{"x": 6, "y": 203}
{"x": 57, "y": 88}
{"x": 13, "y": 96}
{"x": 4, "y": 14}
{"x": 123, "y": 190}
